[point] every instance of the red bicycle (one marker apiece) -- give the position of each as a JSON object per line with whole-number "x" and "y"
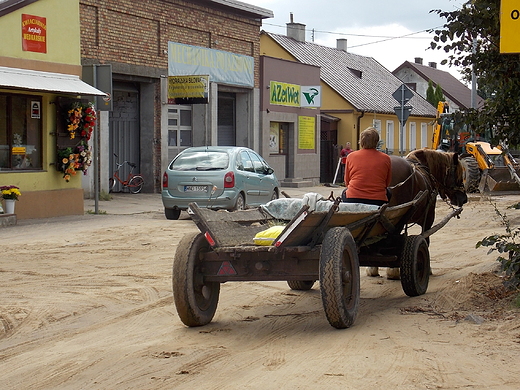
{"x": 134, "y": 182}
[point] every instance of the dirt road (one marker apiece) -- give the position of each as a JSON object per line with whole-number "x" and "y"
{"x": 86, "y": 303}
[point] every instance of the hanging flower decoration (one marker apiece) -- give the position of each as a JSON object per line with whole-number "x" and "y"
{"x": 71, "y": 160}
{"x": 74, "y": 119}
{"x": 88, "y": 120}
{"x": 10, "y": 192}
{"x": 81, "y": 119}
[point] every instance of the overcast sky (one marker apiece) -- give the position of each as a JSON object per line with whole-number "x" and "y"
{"x": 367, "y": 25}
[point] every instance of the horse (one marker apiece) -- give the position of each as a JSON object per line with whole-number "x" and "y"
{"x": 438, "y": 173}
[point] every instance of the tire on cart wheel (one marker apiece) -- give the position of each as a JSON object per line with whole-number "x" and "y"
{"x": 339, "y": 277}
{"x": 195, "y": 300}
{"x": 302, "y": 285}
{"x": 415, "y": 266}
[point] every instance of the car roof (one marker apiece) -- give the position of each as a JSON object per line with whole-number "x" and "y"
{"x": 227, "y": 149}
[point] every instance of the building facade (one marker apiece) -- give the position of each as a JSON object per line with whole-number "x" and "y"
{"x": 40, "y": 69}
{"x": 148, "y": 43}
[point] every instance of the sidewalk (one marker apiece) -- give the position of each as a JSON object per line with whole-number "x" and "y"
{"x": 125, "y": 203}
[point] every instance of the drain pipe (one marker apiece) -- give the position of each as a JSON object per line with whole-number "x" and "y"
{"x": 358, "y": 132}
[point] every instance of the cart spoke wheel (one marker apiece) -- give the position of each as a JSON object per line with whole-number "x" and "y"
{"x": 195, "y": 299}
{"x": 415, "y": 266}
{"x": 339, "y": 277}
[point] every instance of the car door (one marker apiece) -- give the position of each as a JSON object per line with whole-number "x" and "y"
{"x": 250, "y": 181}
{"x": 264, "y": 182}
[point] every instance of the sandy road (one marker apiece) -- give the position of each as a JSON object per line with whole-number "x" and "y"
{"x": 87, "y": 304}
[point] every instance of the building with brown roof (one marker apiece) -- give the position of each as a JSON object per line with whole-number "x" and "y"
{"x": 416, "y": 76}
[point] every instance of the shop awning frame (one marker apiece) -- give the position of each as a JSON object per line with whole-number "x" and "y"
{"x": 33, "y": 80}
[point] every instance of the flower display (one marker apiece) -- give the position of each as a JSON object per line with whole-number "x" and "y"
{"x": 71, "y": 160}
{"x": 81, "y": 119}
{"x": 74, "y": 119}
{"x": 89, "y": 120}
{"x": 10, "y": 192}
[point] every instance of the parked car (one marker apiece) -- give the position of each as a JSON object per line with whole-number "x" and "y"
{"x": 217, "y": 177}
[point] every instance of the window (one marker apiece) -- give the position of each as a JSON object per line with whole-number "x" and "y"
{"x": 389, "y": 137}
{"x": 179, "y": 126}
{"x": 278, "y": 138}
{"x": 413, "y": 136}
{"x": 20, "y": 132}
{"x": 424, "y": 135}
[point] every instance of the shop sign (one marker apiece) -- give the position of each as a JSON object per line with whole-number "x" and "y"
{"x": 221, "y": 66}
{"x": 311, "y": 96}
{"x": 306, "y": 132}
{"x": 34, "y": 33}
{"x": 284, "y": 94}
{"x": 195, "y": 88}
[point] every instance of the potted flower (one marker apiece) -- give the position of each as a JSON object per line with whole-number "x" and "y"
{"x": 10, "y": 194}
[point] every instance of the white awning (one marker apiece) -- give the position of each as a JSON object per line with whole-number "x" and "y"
{"x": 13, "y": 78}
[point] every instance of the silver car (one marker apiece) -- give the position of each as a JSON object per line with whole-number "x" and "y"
{"x": 217, "y": 177}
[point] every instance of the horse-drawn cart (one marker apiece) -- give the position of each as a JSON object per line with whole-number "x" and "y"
{"x": 328, "y": 244}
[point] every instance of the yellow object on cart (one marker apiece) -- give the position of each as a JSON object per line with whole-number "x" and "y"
{"x": 267, "y": 237}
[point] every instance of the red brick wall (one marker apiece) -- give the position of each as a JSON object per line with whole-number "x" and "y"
{"x": 137, "y": 33}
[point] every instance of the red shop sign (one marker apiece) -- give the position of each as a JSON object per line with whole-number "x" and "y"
{"x": 34, "y": 33}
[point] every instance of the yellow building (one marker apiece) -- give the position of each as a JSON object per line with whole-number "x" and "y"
{"x": 356, "y": 93}
{"x": 40, "y": 68}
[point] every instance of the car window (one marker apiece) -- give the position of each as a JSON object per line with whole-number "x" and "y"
{"x": 257, "y": 163}
{"x": 200, "y": 161}
{"x": 246, "y": 161}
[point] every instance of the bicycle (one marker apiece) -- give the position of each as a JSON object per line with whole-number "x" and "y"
{"x": 134, "y": 182}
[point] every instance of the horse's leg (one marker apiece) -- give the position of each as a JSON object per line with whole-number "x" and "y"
{"x": 372, "y": 271}
{"x": 393, "y": 274}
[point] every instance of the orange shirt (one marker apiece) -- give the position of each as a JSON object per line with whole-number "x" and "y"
{"x": 367, "y": 174}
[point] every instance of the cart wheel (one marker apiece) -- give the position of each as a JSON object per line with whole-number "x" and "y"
{"x": 195, "y": 300}
{"x": 339, "y": 277}
{"x": 415, "y": 266}
{"x": 301, "y": 284}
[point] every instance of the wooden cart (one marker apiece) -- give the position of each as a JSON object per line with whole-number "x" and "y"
{"x": 326, "y": 246}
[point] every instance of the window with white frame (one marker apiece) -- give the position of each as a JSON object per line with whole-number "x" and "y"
{"x": 412, "y": 128}
{"x": 179, "y": 126}
{"x": 389, "y": 145}
{"x": 424, "y": 135}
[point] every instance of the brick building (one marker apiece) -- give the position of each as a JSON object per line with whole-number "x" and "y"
{"x": 136, "y": 38}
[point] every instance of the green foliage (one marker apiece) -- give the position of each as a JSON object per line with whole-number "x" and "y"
{"x": 505, "y": 244}
{"x": 439, "y": 95}
{"x": 430, "y": 94}
{"x": 476, "y": 25}
{"x": 434, "y": 95}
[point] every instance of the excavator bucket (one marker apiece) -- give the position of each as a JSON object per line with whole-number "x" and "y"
{"x": 499, "y": 179}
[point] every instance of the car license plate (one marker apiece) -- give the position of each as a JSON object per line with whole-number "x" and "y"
{"x": 195, "y": 189}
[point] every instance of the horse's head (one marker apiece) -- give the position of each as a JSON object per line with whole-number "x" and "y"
{"x": 453, "y": 185}
{"x": 447, "y": 172}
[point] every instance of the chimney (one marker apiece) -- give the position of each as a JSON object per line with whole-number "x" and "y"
{"x": 341, "y": 44}
{"x": 296, "y": 31}
{"x": 432, "y": 65}
{"x": 418, "y": 60}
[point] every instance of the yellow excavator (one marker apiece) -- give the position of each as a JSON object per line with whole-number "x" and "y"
{"x": 487, "y": 168}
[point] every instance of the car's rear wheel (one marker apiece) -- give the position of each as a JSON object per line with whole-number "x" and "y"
{"x": 172, "y": 213}
{"x": 240, "y": 203}
{"x": 274, "y": 195}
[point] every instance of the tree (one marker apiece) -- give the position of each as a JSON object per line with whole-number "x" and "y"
{"x": 430, "y": 94}
{"x": 439, "y": 95}
{"x": 470, "y": 37}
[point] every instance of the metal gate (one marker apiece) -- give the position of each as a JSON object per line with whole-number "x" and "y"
{"x": 124, "y": 133}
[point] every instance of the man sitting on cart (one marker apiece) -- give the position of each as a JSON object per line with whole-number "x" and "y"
{"x": 368, "y": 172}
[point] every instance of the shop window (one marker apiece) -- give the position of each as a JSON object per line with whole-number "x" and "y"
{"x": 20, "y": 132}
{"x": 278, "y": 138}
